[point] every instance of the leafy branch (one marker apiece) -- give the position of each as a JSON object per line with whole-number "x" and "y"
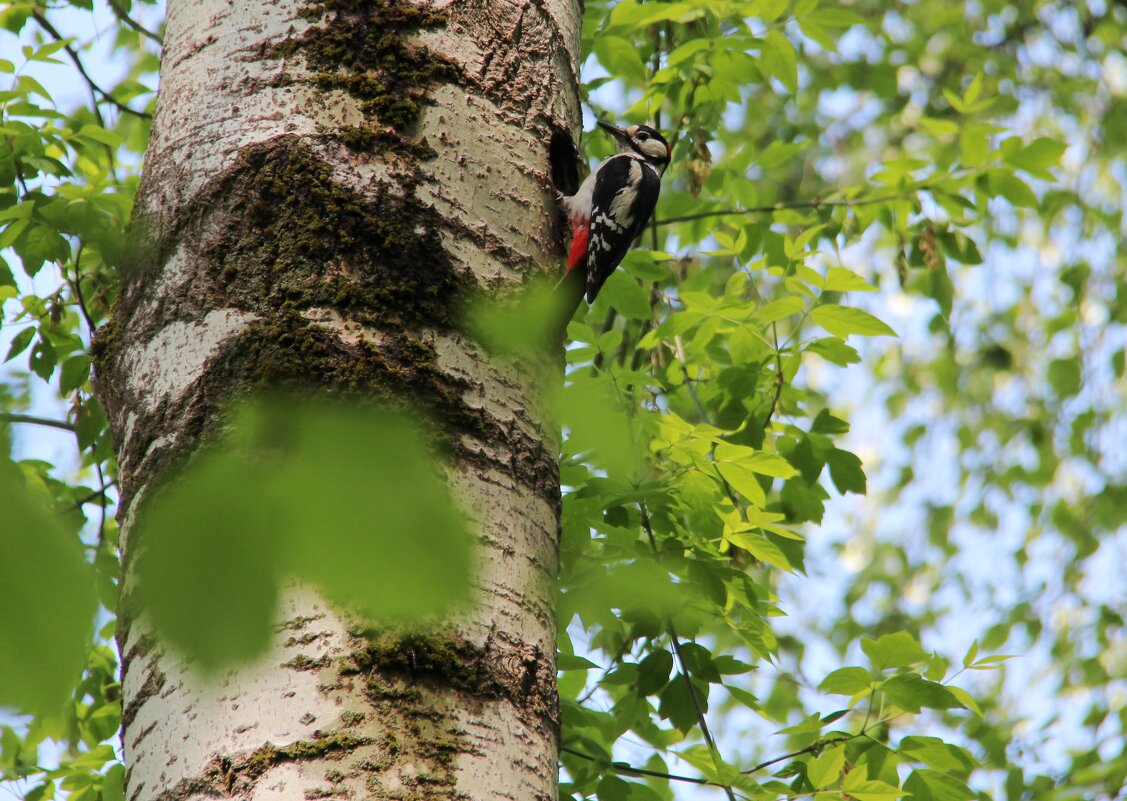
{"x": 46, "y": 25}
{"x": 675, "y": 641}
{"x": 814, "y": 203}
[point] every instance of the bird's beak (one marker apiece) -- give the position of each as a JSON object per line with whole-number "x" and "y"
{"x": 618, "y": 133}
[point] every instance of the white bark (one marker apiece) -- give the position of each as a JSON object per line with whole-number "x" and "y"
{"x": 324, "y": 713}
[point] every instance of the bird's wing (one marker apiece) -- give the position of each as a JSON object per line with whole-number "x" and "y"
{"x": 624, "y": 198}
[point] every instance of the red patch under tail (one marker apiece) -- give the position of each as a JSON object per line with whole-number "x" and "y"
{"x": 578, "y": 253}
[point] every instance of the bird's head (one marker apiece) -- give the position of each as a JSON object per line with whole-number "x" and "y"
{"x": 643, "y": 140}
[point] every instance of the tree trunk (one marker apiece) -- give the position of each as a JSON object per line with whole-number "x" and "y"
{"x": 326, "y": 183}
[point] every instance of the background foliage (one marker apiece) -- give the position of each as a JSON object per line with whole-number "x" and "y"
{"x": 795, "y": 545}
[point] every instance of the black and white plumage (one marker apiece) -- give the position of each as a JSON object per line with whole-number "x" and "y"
{"x": 613, "y": 205}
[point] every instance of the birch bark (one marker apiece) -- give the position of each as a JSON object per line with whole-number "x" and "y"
{"x": 327, "y": 181}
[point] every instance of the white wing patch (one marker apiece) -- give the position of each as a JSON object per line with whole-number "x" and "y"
{"x": 618, "y": 218}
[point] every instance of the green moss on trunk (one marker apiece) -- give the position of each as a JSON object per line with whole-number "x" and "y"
{"x": 295, "y": 237}
{"x": 361, "y": 47}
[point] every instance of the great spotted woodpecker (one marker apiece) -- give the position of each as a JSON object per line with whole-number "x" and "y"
{"x": 612, "y": 206}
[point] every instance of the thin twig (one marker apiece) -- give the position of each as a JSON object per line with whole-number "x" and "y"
{"x": 102, "y": 518}
{"x": 621, "y": 767}
{"x": 123, "y": 15}
{"x": 816, "y": 203}
{"x": 779, "y": 382}
{"x": 58, "y": 37}
{"x": 608, "y": 323}
{"x": 93, "y": 496}
{"x": 76, "y": 284}
{"x": 9, "y": 417}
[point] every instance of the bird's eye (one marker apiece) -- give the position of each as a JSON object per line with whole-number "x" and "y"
{"x": 643, "y": 136}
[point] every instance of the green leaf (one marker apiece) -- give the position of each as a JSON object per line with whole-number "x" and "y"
{"x": 612, "y": 788}
{"x": 804, "y": 501}
{"x": 573, "y": 662}
{"x": 778, "y": 152}
{"x": 840, "y": 279}
{"x": 972, "y": 652}
{"x": 526, "y": 325}
{"x": 47, "y": 594}
{"x": 648, "y": 265}
{"x": 842, "y": 321}
{"x": 846, "y": 471}
{"x": 1012, "y": 188}
{"x": 210, "y": 571}
{"x": 893, "y": 650}
{"x": 744, "y": 697}
{"x": 846, "y": 681}
{"x": 597, "y": 425}
{"x": 911, "y": 692}
{"x": 825, "y": 769}
{"x": 762, "y": 462}
{"x": 43, "y": 358}
{"x": 12, "y": 231}
{"x": 974, "y": 144}
{"x": 926, "y": 784}
{"x": 370, "y": 524}
{"x": 624, "y": 293}
{"x": 831, "y": 17}
{"x": 778, "y": 309}
{"x": 744, "y": 481}
{"x": 1038, "y": 156}
{"x": 779, "y": 60}
{"x": 857, "y": 785}
{"x": 965, "y": 698}
{"x": 620, "y": 57}
{"x": 677, "y": 705}
{"x": 974, "y": 91}
{"x": 74, "y": 373}
{"x": 653, "y": 672}
{"x": 1065, "y": 377}
{"x": 826, "y": 423}
{"x": 100, "y": 135}
{"x": 762, "y": 548}
{"x": 113, "y": 784}
{"x": 41, "y": 243}
{"x": 834, "y": 350}
{"x": 937, "y": 754}
{"x": 20, "y": 342}
{"x": 938, "y": 128}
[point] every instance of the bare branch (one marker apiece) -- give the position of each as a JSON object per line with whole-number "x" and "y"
{"x": 816, "y": 203}
{"x": 123, "y": 15}
{"x": 630, "y": 770}
{"x": 93, "y": 496}
{"x": 9, "y": 417}
{"x": 46, "y": 25}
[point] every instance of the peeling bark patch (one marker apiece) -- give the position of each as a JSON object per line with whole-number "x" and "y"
{"x": 361, "y": 47}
